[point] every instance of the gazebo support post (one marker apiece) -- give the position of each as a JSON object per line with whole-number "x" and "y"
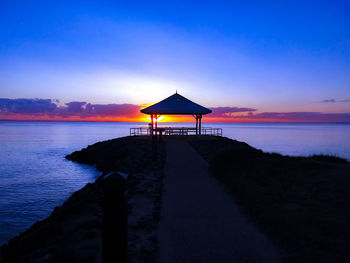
{"x": 151, "y": 124}
{"x": 196, "y": 117}
{"x": 200, "y": 123}
{"x": 156, "y": 126}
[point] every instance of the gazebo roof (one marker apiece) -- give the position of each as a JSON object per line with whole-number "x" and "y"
{"x": 176, "y": 104}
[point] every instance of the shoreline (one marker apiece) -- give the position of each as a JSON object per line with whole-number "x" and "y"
{"x": 143, "y": 187}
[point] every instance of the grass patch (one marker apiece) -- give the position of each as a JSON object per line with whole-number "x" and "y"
{"x": 328, "y": 158}
{"x": 301, "y": 203}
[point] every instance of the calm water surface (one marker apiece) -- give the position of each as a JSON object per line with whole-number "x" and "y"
{"x": 35, "y": 177}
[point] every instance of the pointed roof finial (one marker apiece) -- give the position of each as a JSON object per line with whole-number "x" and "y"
{"x": 176, "y": 91}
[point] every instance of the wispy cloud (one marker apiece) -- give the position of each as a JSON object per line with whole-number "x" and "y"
{"x": 228, "y": 111}
{"x": 84, "y": 109}
{"x": 311, "y": 117}
{"x": 334, "y": 101}
{"x": 329, "y": 101}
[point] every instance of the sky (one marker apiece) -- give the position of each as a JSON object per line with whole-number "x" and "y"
{"x": 249, "y": 61}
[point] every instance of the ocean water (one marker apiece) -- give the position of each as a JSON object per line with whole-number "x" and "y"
{"x": 35, "y": 177}
{"x": 294, "y": 139}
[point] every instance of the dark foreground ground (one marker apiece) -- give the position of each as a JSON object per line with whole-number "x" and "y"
{"x": 302, "y": 204}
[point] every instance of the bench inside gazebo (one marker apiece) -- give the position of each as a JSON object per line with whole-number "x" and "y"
{"x": 175, "y": 105}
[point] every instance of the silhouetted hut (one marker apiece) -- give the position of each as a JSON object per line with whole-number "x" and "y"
{"x": 176, "y": 105}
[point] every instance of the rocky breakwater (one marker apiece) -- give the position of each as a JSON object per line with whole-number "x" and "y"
{"x": 142, "y": 160}
{"x": 113, "y": 219}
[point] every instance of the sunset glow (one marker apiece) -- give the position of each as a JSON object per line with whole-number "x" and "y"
{"x": 271, "y": 62}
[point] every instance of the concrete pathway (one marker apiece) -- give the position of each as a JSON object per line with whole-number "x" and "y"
{"x": 199, "y": 220}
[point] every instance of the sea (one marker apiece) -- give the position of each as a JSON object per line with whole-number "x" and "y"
{"x": 35, "y": 177}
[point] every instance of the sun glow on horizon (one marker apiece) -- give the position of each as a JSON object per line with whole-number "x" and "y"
{"x": 161, "y": 118}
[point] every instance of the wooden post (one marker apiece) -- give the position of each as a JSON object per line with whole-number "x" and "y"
{"x": 200, "y": 124}
{"x": 114, "y": 220}
{"x": 156, "y": 126}
{"x": 151, "y": 124}
{"x": 196, "y": 117}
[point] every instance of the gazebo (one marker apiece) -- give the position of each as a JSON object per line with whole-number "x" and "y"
{"x": 175, "y": 105}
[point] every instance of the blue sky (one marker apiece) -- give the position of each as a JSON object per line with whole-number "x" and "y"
{"x": 268, "y": 55}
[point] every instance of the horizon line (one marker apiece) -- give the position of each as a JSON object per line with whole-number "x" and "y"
{"x": 265, "y": 122}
